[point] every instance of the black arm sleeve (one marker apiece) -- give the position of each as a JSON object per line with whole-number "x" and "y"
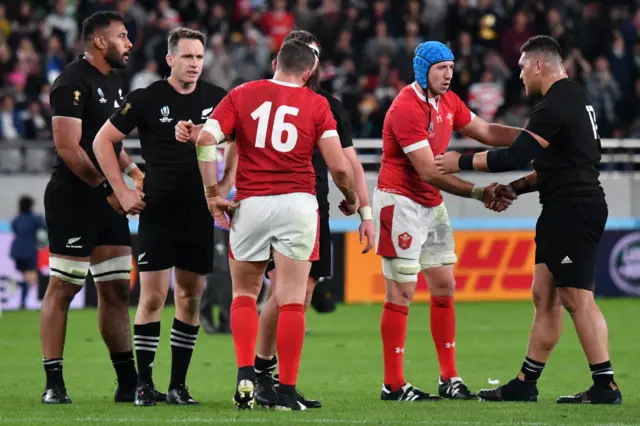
{"x": 518, "y": 155}
{"x": 68, "y": 100}
{"x": 125, "y": 119}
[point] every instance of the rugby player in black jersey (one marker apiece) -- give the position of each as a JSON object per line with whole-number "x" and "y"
{"x": 176, "y": 228}
{"x": 85, "y": 232}
{"x": 561, "y": 138}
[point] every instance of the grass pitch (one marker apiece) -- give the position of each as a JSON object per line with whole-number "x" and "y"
{"x": 342, "y": 366}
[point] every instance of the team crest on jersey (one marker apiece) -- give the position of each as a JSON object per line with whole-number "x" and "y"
{"x": 165, "y": 115}
{"x": 404, "y": 240}
{"x": 76, "y": 97}
{"x": 206, "y": 113}
{"x": 450, "y": 118}
{"x": 102, "y": 98}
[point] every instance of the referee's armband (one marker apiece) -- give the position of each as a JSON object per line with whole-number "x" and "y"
{"x": 524, "y": 149}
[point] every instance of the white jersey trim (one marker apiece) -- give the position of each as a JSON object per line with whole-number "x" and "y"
{"x": 416, "y": 146}
{"x": 434, "y": 102}
{"x": 284, "y": 83}
{"x": 329, "y": 134}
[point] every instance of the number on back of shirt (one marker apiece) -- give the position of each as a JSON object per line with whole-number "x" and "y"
{"x": 263, "y": 114}
{"x": 592, "y": 118}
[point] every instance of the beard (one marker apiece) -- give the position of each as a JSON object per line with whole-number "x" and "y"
{"x": 114, "y": 58}
{"x": 314, "y": 80}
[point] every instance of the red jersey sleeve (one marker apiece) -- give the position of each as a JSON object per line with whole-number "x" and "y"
{"x": 225, "y": 114}
{"x": 326, "y": 126}
{"x": 410, "y": 129}
{"x": 462, "y": 114}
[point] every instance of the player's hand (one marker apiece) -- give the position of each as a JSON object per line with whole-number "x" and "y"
{"x": 183, "y": 131}
{"x": 501, "y": 197}
{"x": 115, "y": 203}
{"x": 219, "y": 207}
{"x": 448, "y": 162}
{"x": 367, "y": 231}
{"x": 131, "y": 201}
{"x": 349, "y": 209}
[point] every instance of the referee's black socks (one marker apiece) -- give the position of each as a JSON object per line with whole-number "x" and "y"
{"x": 531, "y": 370}
{"x": 183, "y": 340}
{"x": 125, "y": 368}
{"x": 263, "y": 366}
{"x": 602, "y": 374}
{"x": 53, "y": 370}
{"x": 146, "y": 338}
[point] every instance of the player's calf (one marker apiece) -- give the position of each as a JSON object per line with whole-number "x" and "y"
{"x": 67, "y": 278}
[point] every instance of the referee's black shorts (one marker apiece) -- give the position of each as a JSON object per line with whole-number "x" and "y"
{"x": 567, "y": 237}
{"x": 176, "y": 234}
{"x": 80, "y": 219}
{"x": 320, "y": 268}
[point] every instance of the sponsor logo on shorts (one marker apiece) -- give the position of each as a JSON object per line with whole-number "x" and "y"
{"x": 404, "y": 240}
{"x": 71, "y": 242}
{"x": 624, "y": 264}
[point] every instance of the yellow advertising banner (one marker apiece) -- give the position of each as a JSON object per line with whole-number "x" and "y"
{"x": 492, "y": 265}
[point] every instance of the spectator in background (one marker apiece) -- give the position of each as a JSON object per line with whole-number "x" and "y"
{"x": 379, "y": 45}
{"x": 218, "y": 66}
{"x": 27, "y": 228}
{"x": 251, "y": 55}
{"x": 277, "y": 23}
{"x": 486, "y": 96}
{"x": 37, "y": 123}
{"x": 5, "y": 26}
{"x": 305, "y": 18}
{"x": 11, "y": 124}
{"x": 56, "y": 59}
{"x": 604, "y": 93}
{"x": 58, "y": 22}
{"x": 145, "y": 77}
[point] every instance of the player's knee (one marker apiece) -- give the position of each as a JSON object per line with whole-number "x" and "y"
{"x": 400, "y": 270}
{"x": 152, "y": 301}
{"x": 575, "y": 300}
{"x": 61, "y": 292}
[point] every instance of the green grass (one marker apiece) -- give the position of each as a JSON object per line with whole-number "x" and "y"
{"x": 342, "y": 366}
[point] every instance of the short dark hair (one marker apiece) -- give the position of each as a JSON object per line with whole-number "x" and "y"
{"x": 179, "y": 33}
{"x": 25, "y": 204}
{"x": 98, "y": 21}
{"x": 296, "y": 56}
{"x": 304, "y": 36}
{"x": 543, "y": 44}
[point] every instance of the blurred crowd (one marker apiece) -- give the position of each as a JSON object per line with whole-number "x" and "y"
{"x": 367, "y": 49}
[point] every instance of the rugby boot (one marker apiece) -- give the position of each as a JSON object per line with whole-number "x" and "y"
{"x": 454, "y": 388}
{"x": 309, "y": 403}
{"x": 180, "y": 396}
{"x": 515, "y": 390}
{"x": 243, "y": 398}
{"x": 56, "y": 395}
{"x": 595, "y": 395}
{"x": 406, "y": 393}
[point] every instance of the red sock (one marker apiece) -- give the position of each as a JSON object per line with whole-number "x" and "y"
{"x": 244, "y": 328}
{"x": 443, "y": 331}
{"x": 289, "y": 339}
{"x": 393, "y": 327}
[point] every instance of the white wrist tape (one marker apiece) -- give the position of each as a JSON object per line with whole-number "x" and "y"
{"x": 207, "y": 153}
{"x": 130, "y": 168}
{"x": 366, "y": 213}
{"x": 477, "y": 192}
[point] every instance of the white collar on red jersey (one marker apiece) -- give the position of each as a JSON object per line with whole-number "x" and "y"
{"x": 432, "y": 101}
{"x": 284, "y": 83}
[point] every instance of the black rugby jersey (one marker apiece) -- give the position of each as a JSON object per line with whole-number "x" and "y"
{"x": 171, "y": 167}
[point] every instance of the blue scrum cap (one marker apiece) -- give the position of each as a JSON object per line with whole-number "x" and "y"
{"x": 427, "y": 54}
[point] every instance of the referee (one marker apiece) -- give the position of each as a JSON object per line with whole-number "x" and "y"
{"x": 176, "y": 228}
{"x": 85, "y": 232}
{"x": 562, "y": 139}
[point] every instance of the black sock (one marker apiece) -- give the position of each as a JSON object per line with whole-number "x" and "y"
{"x": 264, "y": 367}
{"x": 146, "y": 338}
{"x": 602, "y": 374}
{"x": 53, "y": 370}
{"x": 531, "y": 370}
{"x": 246, "y": 373}
{"x": 183, "y": 340}
{"x": 125, "y": 368}
{"x": 288, "y": 390}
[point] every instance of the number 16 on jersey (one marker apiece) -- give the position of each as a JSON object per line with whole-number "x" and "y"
{"x": 263, "y": 114}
